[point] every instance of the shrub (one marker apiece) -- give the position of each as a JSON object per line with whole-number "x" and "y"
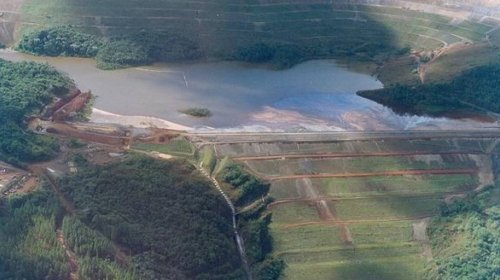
{"x": 197, "y": 112}
{"x": 60, "y": 41}
{"x": 121, "y": 53}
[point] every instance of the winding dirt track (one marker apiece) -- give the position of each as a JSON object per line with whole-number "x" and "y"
{"x": 374, "y": 174}
{"x": 73, "y": 260}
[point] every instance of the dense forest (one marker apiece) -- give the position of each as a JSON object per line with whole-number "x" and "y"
{"x": 466, "y": 238}
{"x": 60, "y": 41}
{"x": 279, "y": 55}
{"x": 145, "y": 47}
{"x": 162, "y": 214}
{"x": 137, "y": 219}
{"x": 136, "y": 48}
{"x": 475, "y": 90}
{"x": 29, "y": 248}
{"x": 25, "y": 89}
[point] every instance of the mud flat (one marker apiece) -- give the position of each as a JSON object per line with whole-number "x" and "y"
{"x": 100, "y": 116}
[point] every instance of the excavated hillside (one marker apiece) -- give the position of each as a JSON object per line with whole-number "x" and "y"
{"x": 326, "y": 28}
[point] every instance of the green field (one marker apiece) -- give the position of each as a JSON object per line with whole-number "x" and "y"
{"x": 390, "y": 207}
{"x": 176, "y": 147}
{"x": 294, "y": 213}
{"x": 358, "y": 164}
{"x": 396, "y": 268}
{"x": 349, "y": 187}
{"x": 393, "y": 146}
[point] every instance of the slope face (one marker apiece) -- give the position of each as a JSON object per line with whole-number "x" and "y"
{"x": 360, "y": 209}
{"x": 324, "y": 28}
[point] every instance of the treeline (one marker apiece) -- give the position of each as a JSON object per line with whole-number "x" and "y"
{"x": 136, "y": 48}
{"x": 252, "y": 193}
{"x": 465, "y": 238}
{"x": 29, "y": 248}
{"x": 148, "y": 46}
{"x": 25, "y": 89}
{"x": 246, "y": 187}
{"x": 277, "y": 54}
{"x": 162, "y": 214}
{"x": 96, "y": 254}
{"x": 473, "y": 91}
{"x": 60, "y": 41}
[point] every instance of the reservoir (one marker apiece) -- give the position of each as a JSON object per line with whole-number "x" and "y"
{"x": 315, "y": 95}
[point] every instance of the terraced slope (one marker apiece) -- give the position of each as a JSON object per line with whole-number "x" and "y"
{"x": 359, "y": 209}
{"x": 325, "y": 28}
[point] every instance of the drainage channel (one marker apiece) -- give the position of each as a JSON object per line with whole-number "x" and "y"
{"x": 239, "y": 240}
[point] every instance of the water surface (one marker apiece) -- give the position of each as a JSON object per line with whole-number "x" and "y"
{"x": 315, "y": 95}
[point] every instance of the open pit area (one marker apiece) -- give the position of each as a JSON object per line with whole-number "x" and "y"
{"x": 358, "y": 209}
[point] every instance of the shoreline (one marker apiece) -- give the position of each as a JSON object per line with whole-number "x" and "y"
{"x": 101, "y": 116}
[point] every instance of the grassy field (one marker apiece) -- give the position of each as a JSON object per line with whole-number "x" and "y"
{"x": 350, "y": 187}
{"x": 423, "y": 146}
{"x": 357, "y": 164}
{"x": 176, "y": 147}
{"x": 390, "y": 207}
{"x": 294, "y": 213}
{"x": 313, "y": 236}
{"x": 458, "y": 60}
{"x": 396, "y": 268}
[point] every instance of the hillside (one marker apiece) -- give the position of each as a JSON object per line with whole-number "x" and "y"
{"x": 135, "y": 219}
{"x": 357, "y": 30}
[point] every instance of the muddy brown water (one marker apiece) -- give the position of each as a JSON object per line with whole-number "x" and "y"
{"x": 315, "y": 95}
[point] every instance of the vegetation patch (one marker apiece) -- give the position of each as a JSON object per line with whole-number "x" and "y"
{"x": 25, "y": 89}
{"x": 179, "y": 146}
{"x": 197, "y": 112}
{"x": 162, "y": 213}
{"x": 133, "y": 49}
{"x": 60, "y": 41}
{"x": 475, "y": 90}
{"x": 387, "y": 208}
{"x": 278, "y": 54}
{"x": 121, "y": 53}
{"x": 246, "y": 187}
{"x": 29, "y": 247}
{"x": 96, "y": 254}
{"x": 465, "y": 238}
{"x": 208, "y": 159}
{"x": 250, "y": 196}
